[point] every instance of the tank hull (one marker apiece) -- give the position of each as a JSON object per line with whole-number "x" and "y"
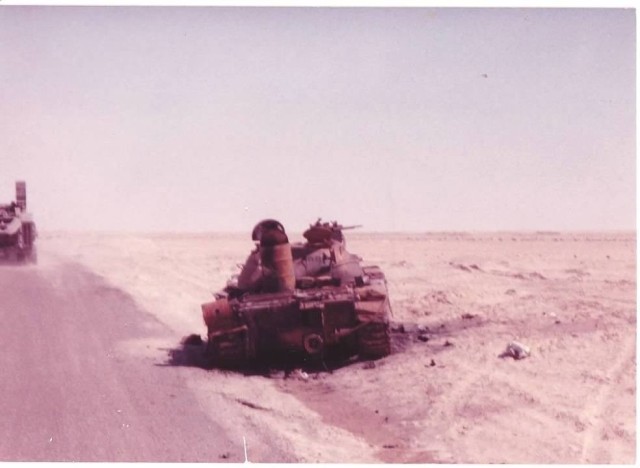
{"x": 330, "y": 322}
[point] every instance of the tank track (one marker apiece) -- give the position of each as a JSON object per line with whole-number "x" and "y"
{"x": 374, "y": 341}
{"x": 227, "y": 351}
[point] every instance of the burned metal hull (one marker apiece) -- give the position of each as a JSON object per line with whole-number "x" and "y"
{"x": 326, "y": 316}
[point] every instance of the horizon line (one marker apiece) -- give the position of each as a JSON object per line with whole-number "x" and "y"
{"x": 356, "y": 232}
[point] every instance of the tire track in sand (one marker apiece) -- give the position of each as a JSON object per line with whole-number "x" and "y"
{"x": 452, "y": 449}
{"x": 594, "y": 411}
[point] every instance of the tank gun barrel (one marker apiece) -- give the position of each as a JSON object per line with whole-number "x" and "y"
{"x": 334, "y": 225}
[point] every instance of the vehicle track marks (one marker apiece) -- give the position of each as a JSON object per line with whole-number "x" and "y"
{"x": 594, "y": 411}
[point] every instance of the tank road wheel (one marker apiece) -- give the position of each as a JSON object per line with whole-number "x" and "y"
{"x": 374, "y": 341}
{"x": 227, "y": 351}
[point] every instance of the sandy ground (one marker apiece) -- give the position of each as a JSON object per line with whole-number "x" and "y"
{"x": 444, "y": 395}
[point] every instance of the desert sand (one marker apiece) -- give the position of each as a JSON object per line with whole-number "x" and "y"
{"x": 444, "y": 395}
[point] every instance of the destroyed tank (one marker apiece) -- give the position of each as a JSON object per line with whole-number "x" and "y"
{"x": 306, "y": 301}
{"x": 17, "y": 228}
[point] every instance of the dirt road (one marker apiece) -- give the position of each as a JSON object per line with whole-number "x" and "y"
{"x": 76, "y": 384}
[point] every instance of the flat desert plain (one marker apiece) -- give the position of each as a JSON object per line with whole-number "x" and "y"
{"x": 445, "y": 394}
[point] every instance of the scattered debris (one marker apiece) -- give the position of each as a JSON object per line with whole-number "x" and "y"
{"x": 405, "y": 327}
{"x": 468, "y": 316}
{"x": 423, "y": 337}
{"x": 225, "y": 455}
{"x": 516, "y": 350}
{"x": 438, "y": 297}
{"x": 460, "y": 266}
{"x": 448, "y": 343}
{"x": 251, "y": 405}
{"x": 527, "y": 276}
{"x": 537, "y": 275}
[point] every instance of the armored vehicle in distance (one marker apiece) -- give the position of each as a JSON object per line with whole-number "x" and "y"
{"x": 17, "y": 228}
{"x": 306, "y": 301}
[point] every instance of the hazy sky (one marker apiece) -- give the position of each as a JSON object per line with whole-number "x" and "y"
{"x": 192, "y": 119}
